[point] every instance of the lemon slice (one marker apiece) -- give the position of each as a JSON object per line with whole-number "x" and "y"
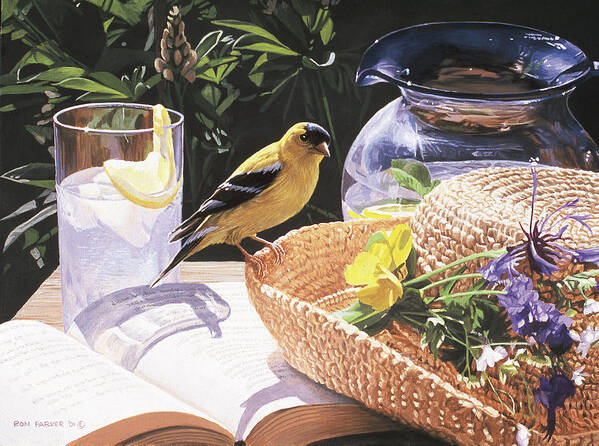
{"x": 389, "y": 210}
{"x": 150, "y": 183}
{"x": 384, "y": 211}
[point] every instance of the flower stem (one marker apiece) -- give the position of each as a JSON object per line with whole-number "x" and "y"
{"x": 480, "y": 255}
{"x": 511, "y": 410}
{"x": 449, "y": 279}
{"x": 472, "y": 293}
{"x": 494, "y": 344}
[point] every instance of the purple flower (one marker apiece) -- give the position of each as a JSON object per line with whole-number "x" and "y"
{"x": 552, "y": 393}
{"x": 559, "y": 340}
{"x": 500, "y": 268}
{"x": 540, "y": 248}
{"x": 532, "y": 317}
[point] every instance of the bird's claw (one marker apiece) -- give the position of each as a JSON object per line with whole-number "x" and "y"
{"x": 279, "y": 252}
{"x": 258, "y": 264}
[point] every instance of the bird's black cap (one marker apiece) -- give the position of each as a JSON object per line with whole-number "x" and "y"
{"x": 315, "y": 134}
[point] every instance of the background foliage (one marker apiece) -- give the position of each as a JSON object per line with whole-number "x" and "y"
{"x": 262, "y": 65}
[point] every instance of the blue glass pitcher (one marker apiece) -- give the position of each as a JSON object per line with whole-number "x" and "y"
{"x": 473, "y": 95}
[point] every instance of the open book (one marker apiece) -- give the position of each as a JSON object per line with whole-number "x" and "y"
{"x": 182, "y": 363}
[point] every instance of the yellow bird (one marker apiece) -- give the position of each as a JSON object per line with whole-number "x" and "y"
{"x": 267, "y": 189}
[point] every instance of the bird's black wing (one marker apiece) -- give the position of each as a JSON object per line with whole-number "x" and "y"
{"x": 231, "y": 193}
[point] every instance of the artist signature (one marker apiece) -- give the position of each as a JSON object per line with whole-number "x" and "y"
{"x": 79, "y": 424}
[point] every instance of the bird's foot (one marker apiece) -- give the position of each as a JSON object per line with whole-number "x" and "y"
{"x": 258, "y": 264}
{"x": 255, "y": 261}
{"x": 276, "y": 248}
{"x": 279, "y": 252}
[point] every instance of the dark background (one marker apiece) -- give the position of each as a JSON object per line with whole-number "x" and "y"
{"x": 357, "y": 23}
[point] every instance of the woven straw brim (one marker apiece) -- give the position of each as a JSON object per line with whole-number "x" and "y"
{"x": 483, "y": 210}
{"x": 390, "y": 373}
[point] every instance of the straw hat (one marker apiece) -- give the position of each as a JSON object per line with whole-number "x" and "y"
{"x": 389, "y": 372}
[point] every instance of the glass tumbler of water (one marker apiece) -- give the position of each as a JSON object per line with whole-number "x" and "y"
{"x": 113, "y": 223}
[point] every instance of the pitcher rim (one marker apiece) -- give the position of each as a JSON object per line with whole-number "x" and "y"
{"x": 564, "y": 88}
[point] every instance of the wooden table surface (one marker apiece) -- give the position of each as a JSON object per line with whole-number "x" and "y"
{"x": 45, "y": 304}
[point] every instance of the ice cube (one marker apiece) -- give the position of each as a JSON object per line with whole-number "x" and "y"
{"x": 89, "y": 200}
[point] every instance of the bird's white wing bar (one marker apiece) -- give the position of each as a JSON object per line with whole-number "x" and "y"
{"x": 234, "y": 191}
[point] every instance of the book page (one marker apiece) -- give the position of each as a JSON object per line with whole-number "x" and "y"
{"x": 235, "y": 373}
{"x": 206, "y": 346}
{"x": 55, "y": 390}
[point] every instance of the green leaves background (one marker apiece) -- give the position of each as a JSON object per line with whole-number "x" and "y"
{"x": 258, "y": 71}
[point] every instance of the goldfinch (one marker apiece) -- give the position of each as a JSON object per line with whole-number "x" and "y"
{"x": 267, "y": 189}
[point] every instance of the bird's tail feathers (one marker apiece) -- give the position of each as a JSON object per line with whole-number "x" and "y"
{"x": 186, "y": 228}
{"x": 186, "y": 250}
{"x": 180, "y": 233}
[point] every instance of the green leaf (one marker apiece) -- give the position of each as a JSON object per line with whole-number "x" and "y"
{"x": 46, "y": 53}
{"x": 207, "y": 44}
{"x": 406, "y": 180}
{"x": 44, "y": 238}
{"x": 353, "y": 312}
{"x": 24, "y": 88}
{"x": 211, "y": 94}
{"x": 106, "y": 23}
{"x": 539, "y": 359}
{"x": 254, "y": 75}
{"x": 374, "y": 238}
{"x": 255, "y": 43}
{"x": 20, "y": 229}
{"x": 19, "y": 34}
{"x": 326, "y": 32}
{"x": 434, "y": 336}
{"x": 449, "y": 285}
{"x": 81, "y": 83}
{"x": 6, "y": 29}
{"x": 321, "y": 18}
{"x": 224, "y": 70}
{"x": 31, "y": 236}
{"x": 204, "y": 120}
{"x": 292, "y": 22}
{"x": 41, "y": 133}
{"x": 8, "y": 9}
{"x": 411, "y": 302}
{"x": 581, "y": 282}
{"x": 56, "y": 74}
{"x": 478, "y": 285}
{"x": 33, "y": 174}
{"x": 128, "y": 10}
{"x": 305, "y": 9}
{"x": 414, "y": 168}
{"x": 227, "y": 102}
{"x": 46, "y": 196}
{"x": 376, "y": 321}
{"x": 34, "y": 101}
{"x": 113, "y": 35}
{"x": 250, "y": 28}
{"x": 412, "y": 264}
{"x": 360, "y": 315}
{"x": 111, "y": 81}
{"x": 204, "y": 8}
{"x": 98, "y": 97}
{"x": 571, "y": 312}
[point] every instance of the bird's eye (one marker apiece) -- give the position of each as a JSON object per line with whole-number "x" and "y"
{"x": 303, "y": 137}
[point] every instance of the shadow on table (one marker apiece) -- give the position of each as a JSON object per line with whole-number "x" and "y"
{"x": 126, "y": 324}
{"x": 310, "y": 392}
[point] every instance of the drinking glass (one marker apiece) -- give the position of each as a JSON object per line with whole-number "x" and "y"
{"x": 107, "y": 242}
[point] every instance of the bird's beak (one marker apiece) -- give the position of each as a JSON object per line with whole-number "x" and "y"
{"x": 323, "y": 148}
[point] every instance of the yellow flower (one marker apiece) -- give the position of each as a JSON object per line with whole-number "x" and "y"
{"x": 381, "y": 268}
